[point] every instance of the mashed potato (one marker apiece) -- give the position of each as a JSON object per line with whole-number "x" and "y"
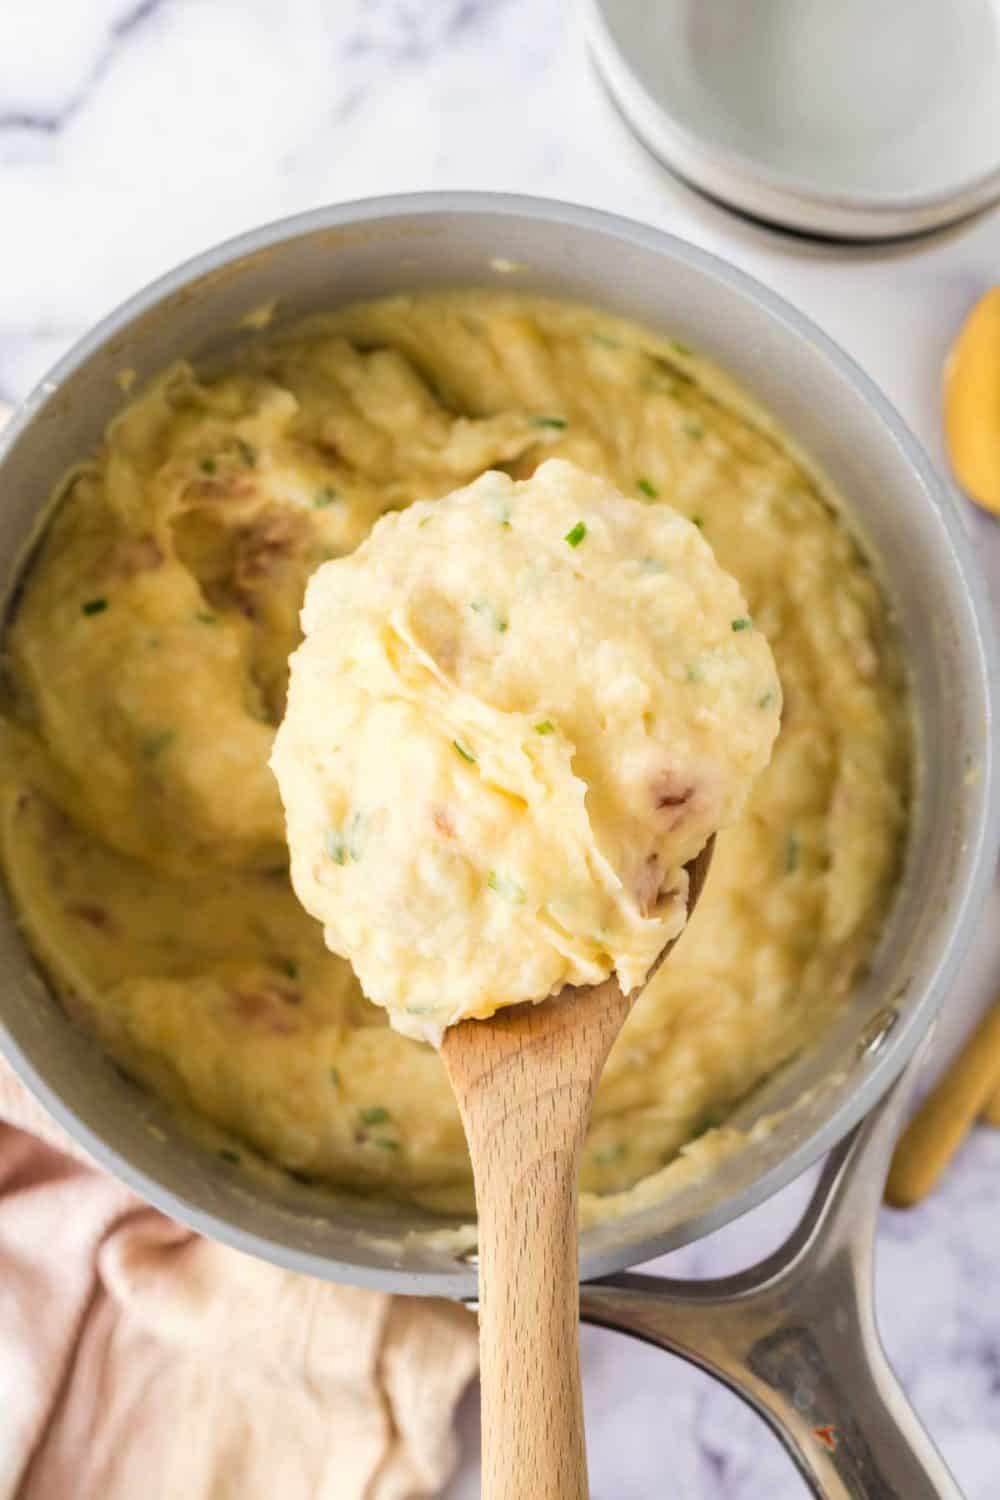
{"x": 141, "y": 829}
{"x": 519, "y": 711}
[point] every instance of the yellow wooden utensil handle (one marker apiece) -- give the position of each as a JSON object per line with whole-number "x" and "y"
{"x": 991, "y": 1114}
{"x": 940, "y": 1125}
{"x": 972, "y": 403}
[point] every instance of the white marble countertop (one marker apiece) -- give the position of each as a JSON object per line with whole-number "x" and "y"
{"x": 133, "y": 133}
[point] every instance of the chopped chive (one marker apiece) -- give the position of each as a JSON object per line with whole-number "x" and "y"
{"x": 94, "y": 606}
{"x": 464, "y": 752}
{"x": 504, "y": 886}
{"x": 154, "y": 744}
{"x": 327, "y": 495}
{"x": 231, "y": 1156}
{"x": 647, "y": 488}
{"x": 545, "y": 727}
{"x": 246, "y": 452}
{"x": 204, "y": 618}
{"x": 576, "y": 534}
{"x": 680, "y": 348}
{"x": 420, "y": 1010}
{"x": 743, "y": 623}
{"x": 608, "y": 1155}
{"x": 207, "y": 465}
{"x": 384, "y": 1144}
{"x": 791, "y": 855}
{"x": 375, "y": 1114}
{"x": 346, "y": 842}
{"x": 483, "y": 607}
{"x": 694, "y": 429}
{"x": 289, "y": 966}
{"x": 694, "y": 674}
{"x": 335, "y": 1077}
{"x": 605, "y": 340}
{"x": 765, "y": 701}
{"x": 557, "y": 422}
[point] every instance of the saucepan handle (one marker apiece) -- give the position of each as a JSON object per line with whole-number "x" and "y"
{"x": 795, "y": 1336}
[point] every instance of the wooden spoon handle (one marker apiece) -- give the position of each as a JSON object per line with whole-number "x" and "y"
{"x": 529, "y": 1312}
{"x": 524, "y": 1081}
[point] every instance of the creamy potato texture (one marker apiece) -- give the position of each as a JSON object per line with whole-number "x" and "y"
{"x": 519, "y": 711}
{"x": 142, "y": 832}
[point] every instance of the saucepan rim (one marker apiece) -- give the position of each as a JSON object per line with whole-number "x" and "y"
{"x": 971, "y": 879}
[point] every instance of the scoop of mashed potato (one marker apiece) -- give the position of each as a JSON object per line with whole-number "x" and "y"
{"x": 518, "y": 712}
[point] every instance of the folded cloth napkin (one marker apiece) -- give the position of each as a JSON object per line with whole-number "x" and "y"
{"x": 138, "y": 1359}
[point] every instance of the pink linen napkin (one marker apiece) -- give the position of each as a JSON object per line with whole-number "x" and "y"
{"x": 139, "y": 1360}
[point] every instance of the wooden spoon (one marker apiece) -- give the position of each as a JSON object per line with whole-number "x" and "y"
{"x": 525, "y": 1081}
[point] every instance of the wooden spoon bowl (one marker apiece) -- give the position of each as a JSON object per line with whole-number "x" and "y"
{"x": 525, "y": 1081}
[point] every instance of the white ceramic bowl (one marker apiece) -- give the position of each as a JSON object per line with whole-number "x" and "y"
{"x": 844, "y": 119}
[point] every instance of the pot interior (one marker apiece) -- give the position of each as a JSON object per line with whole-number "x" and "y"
{"x": 904, "y": 516}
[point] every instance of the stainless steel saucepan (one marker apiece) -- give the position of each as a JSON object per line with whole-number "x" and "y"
{"x": 796, "y": 1335}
